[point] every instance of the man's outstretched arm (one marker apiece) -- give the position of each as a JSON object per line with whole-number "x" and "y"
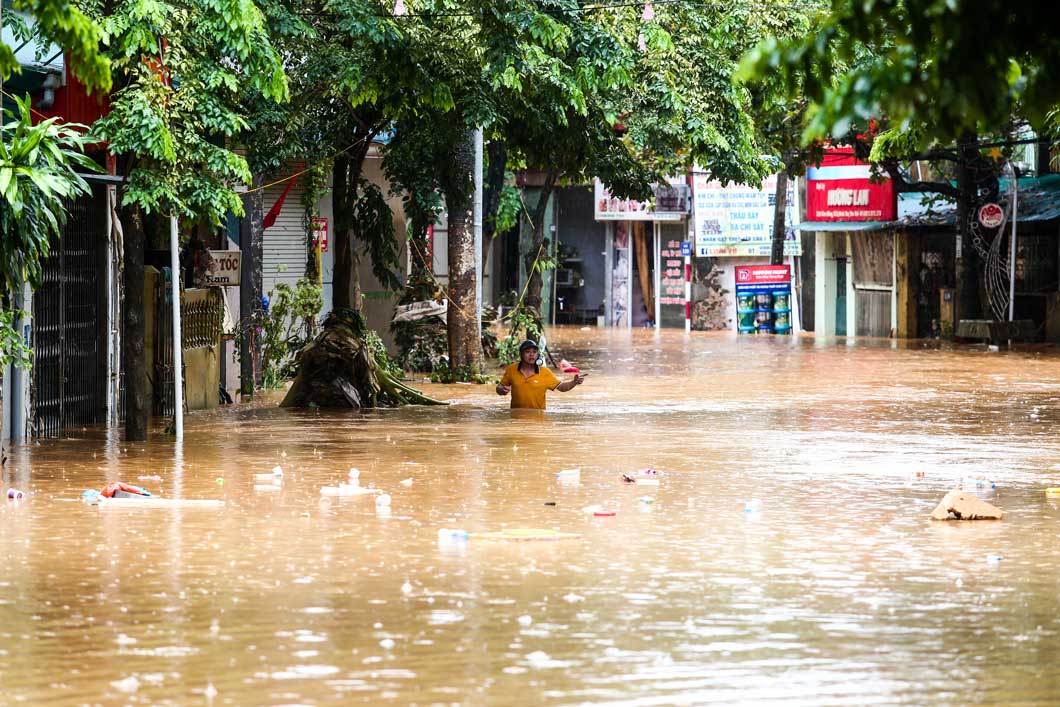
{"x": 574, "y": 382}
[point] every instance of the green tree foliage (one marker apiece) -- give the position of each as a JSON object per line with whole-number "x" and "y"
{"x": 61, "y": 23}
{"x": 181, "y": 68}
{"x": 949, "y": 65}
{"x": 38, "y": 174}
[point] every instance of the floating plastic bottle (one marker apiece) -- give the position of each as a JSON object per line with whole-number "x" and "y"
{"x": 449, "y": 535}
{"x": 752, "y": 506}
{"x": 15, "y": 495}
{"x": 993, "y": 559}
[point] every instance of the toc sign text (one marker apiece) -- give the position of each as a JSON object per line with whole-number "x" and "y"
{"x": 222, "y": 270}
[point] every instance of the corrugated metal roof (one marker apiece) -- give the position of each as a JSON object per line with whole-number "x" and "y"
{"x": 1038, "y": 200}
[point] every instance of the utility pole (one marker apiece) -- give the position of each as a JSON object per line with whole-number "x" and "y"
{"x": 478, "y": 226}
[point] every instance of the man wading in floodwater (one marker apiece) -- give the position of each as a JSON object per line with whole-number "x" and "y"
{"x": 528, "y": 380}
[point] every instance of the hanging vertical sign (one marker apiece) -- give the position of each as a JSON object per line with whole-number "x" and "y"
{"x": 320, "y": 233}
{"x": 763, "y": 299}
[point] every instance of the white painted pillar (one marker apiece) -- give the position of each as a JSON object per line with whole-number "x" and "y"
{"x": 178, "y": 367}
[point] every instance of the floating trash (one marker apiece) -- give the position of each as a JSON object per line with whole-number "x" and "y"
{"x": 275, "y": 475}
{"x": 347, "y": 490}
{"x": 569, "y": 476}
{"x": 452, "y": 533}
{"x": 519, "y": 534}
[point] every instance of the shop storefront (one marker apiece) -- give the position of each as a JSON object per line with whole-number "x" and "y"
{"x": 861, "y": 260}
{"x": 737, "y": 289}
{"x": 645, "y": 268}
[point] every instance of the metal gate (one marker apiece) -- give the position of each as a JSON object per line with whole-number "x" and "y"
{"x": 164, "y": 405}
{"x": 69, "y": 323}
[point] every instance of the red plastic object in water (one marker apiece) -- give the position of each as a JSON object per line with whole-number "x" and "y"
{"x": 604, "y": 514}
{"x": 114, "y": 486}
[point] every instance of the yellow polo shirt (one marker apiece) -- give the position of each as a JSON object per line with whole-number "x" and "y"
{"x": 529, "y": 392}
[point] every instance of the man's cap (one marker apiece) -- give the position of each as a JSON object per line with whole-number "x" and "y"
{"x": 528, "y": 344}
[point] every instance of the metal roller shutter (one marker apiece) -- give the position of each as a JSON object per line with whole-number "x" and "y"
{"x": 284, "y": 247}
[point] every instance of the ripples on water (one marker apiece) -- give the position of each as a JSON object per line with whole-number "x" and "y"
{"x": 838, "y": 591}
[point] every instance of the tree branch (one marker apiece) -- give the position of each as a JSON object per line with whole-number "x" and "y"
{"x": 903, "y": 185}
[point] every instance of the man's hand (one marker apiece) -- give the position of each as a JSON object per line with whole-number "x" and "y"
{"x": 503, "y": 389}
{"x": 577, "y": 380}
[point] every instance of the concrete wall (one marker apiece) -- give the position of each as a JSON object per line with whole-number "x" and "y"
{"x": 202, "y": 365}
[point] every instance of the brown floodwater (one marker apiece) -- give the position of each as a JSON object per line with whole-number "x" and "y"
{"x": 833, "y": 589}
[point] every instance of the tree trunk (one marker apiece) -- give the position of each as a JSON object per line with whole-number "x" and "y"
{"x": 538, "y": 246}
{"x": 134, "y": 362}
{"x": 776, "y": 256}
{"x": 465, "y": 339}
{"x": 346, "y": 286}
{"x": 497, "y": 154}
{"x": 342, "y": 206}
{"x": 251, "y": 240}
{"x": 968, "y": 304}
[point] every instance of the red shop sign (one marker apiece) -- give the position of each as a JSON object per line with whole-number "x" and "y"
{"x": 762, "y": 275}
{"x": 840, "y": 190}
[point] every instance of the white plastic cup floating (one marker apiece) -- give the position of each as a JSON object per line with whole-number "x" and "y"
{"x": 15, "y": 495}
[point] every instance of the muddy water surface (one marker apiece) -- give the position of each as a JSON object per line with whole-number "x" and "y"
{"x": 837, "y": 591}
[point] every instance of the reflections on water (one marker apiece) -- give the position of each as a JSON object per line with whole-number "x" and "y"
{"x": 835, "y": 590}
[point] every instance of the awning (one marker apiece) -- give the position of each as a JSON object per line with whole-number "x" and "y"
{"x": 843, "y": 225}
